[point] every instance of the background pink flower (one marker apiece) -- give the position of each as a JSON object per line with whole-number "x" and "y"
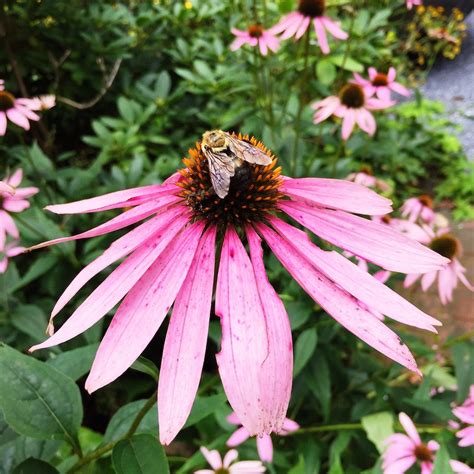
{"x": 381, "y": 84}
{"x": 15, "y": 110}
{"x": 411, "y": 3}
{"x": 7, "y": 251}
{"x": 227, "y": 464}
{"x": 310, "y": 11}
{"x": 465, "y": 413}
{"x": 353, "y": 106}
{"x": 256, "y": 35}
{"x": 364, "y": 178}
{"x": 420, "y": 207}
{"x": 264, "y": 443}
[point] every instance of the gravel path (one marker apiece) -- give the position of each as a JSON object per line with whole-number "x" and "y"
{"x": 452, "y": 82}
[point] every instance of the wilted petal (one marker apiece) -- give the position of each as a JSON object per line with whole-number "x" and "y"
{"x": 337, "y": 194}
{"x": 277, "y": 369}
{"x": 244, "y": 335}
{"x": 356, "y": 281}
{"x": 185, "y": 344}
{"x": 144, "y": 309}
{"x": 338, "y": 303}
{"x": 111, "y": 290}
{"x": 374, "y": 242}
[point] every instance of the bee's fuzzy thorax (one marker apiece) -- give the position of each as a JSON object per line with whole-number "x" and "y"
{"x": 253, "y": 193}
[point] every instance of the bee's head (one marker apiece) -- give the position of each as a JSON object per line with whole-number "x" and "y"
{"x": 214, "y": 139}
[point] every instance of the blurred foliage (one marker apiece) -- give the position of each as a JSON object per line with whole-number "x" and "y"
{"x": 175, "y": 78}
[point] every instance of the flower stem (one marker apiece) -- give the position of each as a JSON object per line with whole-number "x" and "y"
{"x": 357, "y": 426}
{"x": 96, "y": 454}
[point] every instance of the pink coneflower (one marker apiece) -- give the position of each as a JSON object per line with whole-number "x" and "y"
{"x": 296, "y": 23}
{"x": 353, "y": 106}
{"x": 412, "y": 3}
{"x": 9, "y": 250}
{"x": 13, "y": 199}
{"x": 365, "y": 178}
{"x": 256, "y": 35}
{"x": 381, "y": 84}
{"x": 170, "y": 258}
{"x": 15, "y": 110}
{"x": 447, "y": 245}
{"x": 420, "y": 207}
{"x": 227, "y": 465}
{"x": 403, "y": 451}
{"x": 264, "y": 443}
{"x": 6, "y": 189}
{"x": 465, "y": 413}
{"x": 42, "y": 102}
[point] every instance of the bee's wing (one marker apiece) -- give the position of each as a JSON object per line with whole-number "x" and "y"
{"x": 221, "y": 169}
{"x": 247, "y": 152}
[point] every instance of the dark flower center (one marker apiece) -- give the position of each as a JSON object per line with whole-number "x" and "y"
{"x": 222, "y": 470}
{"x": 367, "y": 170}
{"x": 7, "y": 101}
{"x": 312, "y": 8}
{"x": 426, "y": 200}
{"x": 255, "y": 31}
{"x": 447, "y": 245}
{"x": 386, "y": 219}
{"x": 253, "y": 191}
{"x": 423, "y": 453}
{"x": 352, "y": 96}
{"x": 380, "y": 80}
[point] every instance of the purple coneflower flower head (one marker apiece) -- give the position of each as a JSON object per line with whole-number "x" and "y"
{"x": 465, "y": 413}
{"x": 15, "y": 110}
{"x": 256, "y": 36}
{"x": 310, "y": 11}
{"x": 170, "y": 258}
{"x": 353, "y": 106}
{"x": 412, "y": 3}
{"x": 380, "y": 84}
{"x": 420, "y": 207}
{"x": 264, "y": 443}
{"x": 13, "y": 199}
{"x": 447, "y": 245}
{"x": 9, "y": 250}
{"x": 366, "y": 178}
{"x": 227, "y": 465}
{"x": 405, "y": 450}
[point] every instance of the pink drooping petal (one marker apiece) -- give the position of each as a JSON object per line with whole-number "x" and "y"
{"x": 460, "y": 468}
{"x": 16, "y": 178}
{"x": 354, "y": 280}
{"x": 289, "y": 426}
{"x": 185, "y": 344}
{"x": 123, "y": 246}
{"x": 400, "y": 466}
{"x": 446, "y": 285}
{"x": 27, "y": 112}
{"x": 372, "y": 73}
{"x": 321, "y": 35}
{"x": 265, "y": 448}
{"x": 3, "y": 123}
{"x": 229, "y": 458}
{"x": 383, "y": 93}
{"x": 399, "y": 89}
{"x": 7, "y": 224}
{"x": 326, "y": 109}
{"x": 366, "y": 121}
{"x": 143, "y": 310}
{"x": 233, "y": 419}
{"x": 410, "y": 279}
{"x": 113, "y": 200}
{"x": 334, "y": 28}
{"x": 409, "y": 427}
{"x": 303, "y": 27}
{"x": 12, "y": 250}
{"x": 6, "y": 189}
{"x": 244, "y": 337}
{"x": 263, "y": 47}
{"x": 337, "y": 194}
{"x": 374, "y": 242}
{"x": 467, "y": 436}
{"x": 110, "y": 291}
{"x": 238, "y": 437}
{"x": 125, "y": 219}
{"x": 18, "y": 118}
{"x": 292, "y": 26}
{"x": 277, "y": 368}
{"x": 338, "y": 303}
{"x": 428, "y": 279}
{"x": 212, "y": 457}
{"x": 348, "y": 123}
{"x": 237, "y": 43}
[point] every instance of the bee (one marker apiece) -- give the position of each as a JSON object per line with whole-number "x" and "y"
{"x": 225, "y": 154}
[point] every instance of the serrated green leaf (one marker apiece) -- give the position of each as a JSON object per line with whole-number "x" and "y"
{"x": 141, "y": 454}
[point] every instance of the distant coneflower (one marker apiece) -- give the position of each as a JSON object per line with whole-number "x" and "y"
{"x": 227, "y": 465}
{"x": 310, "y": 11}
{"x": 15, "y": 110}
{"x": 381, "y": 84}
{"x": 170, "y": 258}
{"x": 465, "y": 413}
{"x": 256, "y": 36}
{"x": 353, "y": 106}
{"x": 420, "y": 207}
{"x": 411, "y": 3}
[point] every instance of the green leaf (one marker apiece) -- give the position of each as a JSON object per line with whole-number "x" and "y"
{"x": 304, "y": 348}
{"x": 205, "y": 406}
{"x": 30, "y": 320}
{"x": 34, "y": 466}
{"x": 320, "y": 382}
{"x": 326, "y": 71}
{"x": 463, "y": 355}
{"x": 76, "y": 362}
{"x": 441, "y": 463}
{"x": 39, "y": 267}
{"x": 141, "y": 454}
{"x": 146, "y": 366}
{"x": 299, "y": 468}
{"x": 36, "y": 399}
{"x": 348, "y": 63}
{"x": 378, "y": 427}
